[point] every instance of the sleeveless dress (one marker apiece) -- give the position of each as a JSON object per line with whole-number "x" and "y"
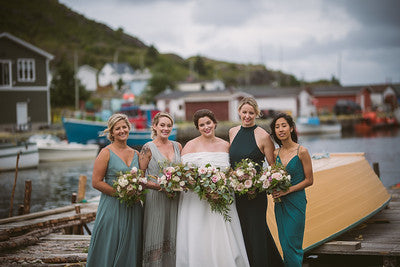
{"x": 204, "y": 238}
{"x": 260, "y": 246}
{"x": 117, "y": 232}
{"x": 290, "y": 215}
{"x": 160, "y": 215}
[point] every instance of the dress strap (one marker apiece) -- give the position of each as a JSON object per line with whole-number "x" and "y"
{"x": 298, "y": 148}
{"x": 279, "y": 150}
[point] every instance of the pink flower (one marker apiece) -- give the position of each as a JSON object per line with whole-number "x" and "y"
{"x": 276, "y": 176}
{"x": 248, "y": 183}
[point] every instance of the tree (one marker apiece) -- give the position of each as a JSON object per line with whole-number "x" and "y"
{"x": 62, "y": 88}
{"x": 151, "y": 56}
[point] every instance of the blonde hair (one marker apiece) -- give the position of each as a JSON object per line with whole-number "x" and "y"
{"x": 250, "y": 101}
{"x": 111, "y": 123}
{"x": 156, "y": 120}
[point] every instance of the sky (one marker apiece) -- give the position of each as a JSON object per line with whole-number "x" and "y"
{"x": 357, "y": 41}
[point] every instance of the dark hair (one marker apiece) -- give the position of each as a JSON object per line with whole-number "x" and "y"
{"x": 291, "y": 123}
{"x": 203, "y": 113}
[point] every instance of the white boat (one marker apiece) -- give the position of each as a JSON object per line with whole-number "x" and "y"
{"x": 51, "y": 148}
{"x": 28, "y": 156}
{"x": 312, "y": 125}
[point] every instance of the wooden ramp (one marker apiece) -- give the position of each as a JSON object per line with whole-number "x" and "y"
{"x": 345, "y": 193}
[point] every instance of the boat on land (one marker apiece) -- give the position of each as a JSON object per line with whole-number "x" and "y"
{"x": 312, "y": 125}
{"x": 89, "y": 132}
{"x": 51, "y": 148}
{"x": 28, "y": 156}
{"x": 346, "y": 192}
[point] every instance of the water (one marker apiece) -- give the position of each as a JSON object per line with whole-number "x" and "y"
{"x": 54, "y": 183}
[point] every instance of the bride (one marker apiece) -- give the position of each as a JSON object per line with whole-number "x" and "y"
{"x": 204, "y": 238}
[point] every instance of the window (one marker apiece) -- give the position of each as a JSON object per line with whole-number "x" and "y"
{"x": 5, "y": 73}
{"x": 26, "y": 70}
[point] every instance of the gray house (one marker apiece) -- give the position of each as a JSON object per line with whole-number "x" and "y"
{"x": 24, "y": 85}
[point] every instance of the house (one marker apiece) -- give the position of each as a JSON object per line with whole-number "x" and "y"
{"x": 213, "y": 85}
{"x": 88, "y": 77}
{"x": 139, "y": 81}
{"x": 182, "y": 105}
{"x": 111, "y": 73}
{"x": 24, "y": 84}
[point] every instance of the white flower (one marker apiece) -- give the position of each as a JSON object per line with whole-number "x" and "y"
{"x": 182, "y": 183}
{"x": 134, "y": 180}
{"x": 250, "y": 164}
{"x": 269, "y": 168}
{"x": 129, "y": 187}
{"x": 263, "y": 177}
{"x": 282, "y": 171}
{"x": 123, "y": 182}
{"x": 176, "y": 179}
{"x": 248, "y": 183}
{"x": 134, "y": 170}
{"x": 118, "y": 188}
{"x": 266, "y": 184}
{"x": 268, "y": 173}
{"x": 289, "y": 177}
{"x": 140, "y": 188}
{"x": 202, "y": 170}
{"x": 239, "y": 172}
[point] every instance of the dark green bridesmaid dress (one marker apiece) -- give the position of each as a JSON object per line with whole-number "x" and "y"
{"x": 117, "y": 231}
{"x": 290, "y": 215}
{"x": 260, "y": 246}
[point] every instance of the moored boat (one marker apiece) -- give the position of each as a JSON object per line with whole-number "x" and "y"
{"x": 345, "y": 193}
{"x": 51, "y": 148}
{"x": 29, "y": 156}
{"x": 86, "y": 132}
{"x": 312, "y": 125}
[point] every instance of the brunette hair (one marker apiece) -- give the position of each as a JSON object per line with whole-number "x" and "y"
{"x": 203, "y": 113}
{"x": 111, "y": 123}
{"x": 250, "y": 101}
{"x": 156, "y": 120}
{"x": 291, "y": 123}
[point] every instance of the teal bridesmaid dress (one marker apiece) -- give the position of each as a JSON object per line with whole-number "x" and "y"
{"x": 117, "y": 232}
{"x": 290, "y": 215}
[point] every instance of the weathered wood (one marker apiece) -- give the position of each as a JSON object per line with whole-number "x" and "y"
{"x": 20, "y": 210}
{"x": 81, "y": 188}
{"x": 10, "y": 214}
{"x": 342, "y": 245}
{"x": 73, "y": 198}
{"x": 27, "y": 196}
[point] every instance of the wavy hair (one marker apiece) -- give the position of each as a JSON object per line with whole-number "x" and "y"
{"x": 250, "y": 101}
{"x": 291, "y": 123}
{"x": 156, "y": 120}
{"x": 203, "y": 113}
{"x": 111, "y": 123}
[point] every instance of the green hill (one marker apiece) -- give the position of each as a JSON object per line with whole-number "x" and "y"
{"x": 60, "y": 31}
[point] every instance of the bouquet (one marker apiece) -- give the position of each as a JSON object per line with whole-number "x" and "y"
{"x": 177, "y": 178}
{"x": 129, "y": 187}
{"x": 275, "y": 178}
{"x": 212, "y": 185}
{"x": 244, "y": 179}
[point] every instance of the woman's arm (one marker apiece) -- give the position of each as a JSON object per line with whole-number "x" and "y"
{"x": 268, "y": 148}
{"x": 99, "y": 171}
{"x": 144, "y": 160}
{"x": 308, "y": 173}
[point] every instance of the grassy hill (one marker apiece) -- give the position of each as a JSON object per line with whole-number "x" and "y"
{"x": 60, "y": 31}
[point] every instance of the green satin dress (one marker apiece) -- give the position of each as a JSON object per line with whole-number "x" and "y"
{"x": 117, "y": 231}
{"x": 260, "y": 245}
{"x": 290, "y": 215}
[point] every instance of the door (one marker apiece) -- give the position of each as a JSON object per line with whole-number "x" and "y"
{"x": 22, "y": 116}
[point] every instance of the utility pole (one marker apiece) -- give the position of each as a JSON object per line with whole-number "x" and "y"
{"x": 76, "y": 80}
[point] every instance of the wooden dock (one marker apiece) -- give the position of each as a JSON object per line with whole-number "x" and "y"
{"x": 375, "y": 242}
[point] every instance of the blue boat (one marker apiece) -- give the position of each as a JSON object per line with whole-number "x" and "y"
{"x": 88, "y": 132}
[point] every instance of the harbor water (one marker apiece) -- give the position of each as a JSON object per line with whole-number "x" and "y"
{"x": 54, "y": 183}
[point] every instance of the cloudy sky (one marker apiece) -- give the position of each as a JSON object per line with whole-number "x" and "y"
{"x": 357, "y": 41}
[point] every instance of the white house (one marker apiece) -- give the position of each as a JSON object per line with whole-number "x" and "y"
{"x": 88, "y": 77}
{"x": 140, "y": 81}
{"x": 111, "y": 73}
{"x": 214, "y": 85}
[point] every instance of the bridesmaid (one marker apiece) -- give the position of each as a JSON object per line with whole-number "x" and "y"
{"x": 250, "y": 141}
{"x": 290, "y": 213}
{"x": 116, "y": 239}
{"x": 160, "y": 212}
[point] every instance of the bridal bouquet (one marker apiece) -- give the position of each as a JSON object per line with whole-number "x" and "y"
{"x": 244, "y": 179}
{"x": 128, "y": 187}
{"x": 177, "y": 178}
{"x": 275, "y": 178}
{"x": 212, "y": 184}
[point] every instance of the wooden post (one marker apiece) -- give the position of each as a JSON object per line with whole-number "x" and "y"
{"x": 376, "y": 169}
{"x": 20, "y": 210}
{"x": 73, "y": 198}
{"x": 27, "y": 197}
{"x": 81, "y": 188}
{"x": 13, "y": 189}
{"x": 77, "y": 229}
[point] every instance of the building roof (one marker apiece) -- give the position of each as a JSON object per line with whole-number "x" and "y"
{"x": 270, "y": 91}
{"x": 175, "y": 94}
{"x": 27, "y": 45}
{"x": 122, "y": 68}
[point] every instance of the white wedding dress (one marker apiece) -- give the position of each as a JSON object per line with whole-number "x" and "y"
{"x": 204, "y": 238}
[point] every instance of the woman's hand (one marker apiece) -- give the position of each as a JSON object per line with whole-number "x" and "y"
{"x": 278, "y": 194}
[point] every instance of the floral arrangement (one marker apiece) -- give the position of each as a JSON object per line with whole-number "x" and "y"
{"x": 275, "y": 178}
{"x": 212, "y": 184}
{"x": 177, "y": 178}
{"x": 244, "y": 179}
{"x": 129, "y": 188}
